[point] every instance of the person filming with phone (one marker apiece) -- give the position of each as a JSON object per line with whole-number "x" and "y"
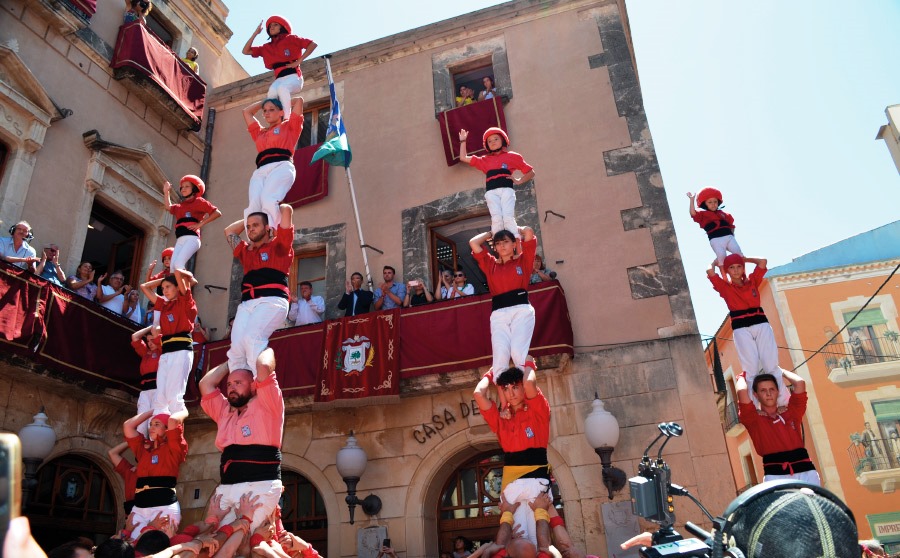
{"x": 417, "y": 294}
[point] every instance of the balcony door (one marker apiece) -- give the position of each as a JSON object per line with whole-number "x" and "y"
{"x": 450, "y": 249}
{"x": 113, "y": 242}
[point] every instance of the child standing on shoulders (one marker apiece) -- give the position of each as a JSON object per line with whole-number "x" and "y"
{"x": 719, "y": 226}
{"x": 283, "y": 53}
{"x": 498, "y": 166}
{"x": 191, "y": 214}
{"x": 753, "y": 336}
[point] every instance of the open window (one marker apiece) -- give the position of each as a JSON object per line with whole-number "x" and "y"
{"x": 471, "y": 74}
{"x": 450, "y": 250}
{"x": 161, "y": 29}
{"x": 309, "y": 266}
{"x": 468, "y": 65}
{"x": 112, "y": 242}
{"x": 315, "y": 124}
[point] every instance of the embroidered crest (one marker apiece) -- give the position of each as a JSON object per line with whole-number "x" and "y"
{"x": 529, "y": 433}
{"x": 504, "y": 166}
{"x": 358, "y": 353}
{"x": 264, "y": 256}
{"x": 187, "y": 215}
{"x": 287, "y": 52}
{"x": 518, "y": 270}
{"x": 245, "y": 431}
{"x": 154, "y": 459}
{"x": 170, "y": 317}
{"x": 276, "y": 131}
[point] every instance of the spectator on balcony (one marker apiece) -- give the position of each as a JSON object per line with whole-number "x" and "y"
{"x": 137, "y": 10}
{"x": 355, "y": 300}
{"x": 465, "y": 97}
{"x": 112, "y": 295}
{"x": 417, "y": 294}
{"x": 132, "y": 309}
{"x": 454, "y": 285}
{"x": 489, "y": 91}
{"x": 283, "y": 53}
{"x": 191, "y": 214}
{"x": 82, "y": 281}
{"x": 776, "y": 434}
{"x": 16, "y": 249}
{"x": 190, "y": 58}
{"x": 49, "y": 267}
{"x": 307, "y": 309}
{"x": 872, "y": 442}
{"x": 390, "y": 294}
{"x": 540, "y": 271}
{"x": 275, "y": 172}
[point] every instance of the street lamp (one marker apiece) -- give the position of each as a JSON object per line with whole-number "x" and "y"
{"x": 351, "y": 464}
{"x": 38, "y": 439}
{"x": 602, "y": 431}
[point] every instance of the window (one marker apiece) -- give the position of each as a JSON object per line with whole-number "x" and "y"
{"x": 303, "y": 511}
{"x": 887, "y": 442}
{"x": 472, "y": 78}
{"x": 112, "y": 243}
{"x": 160, "y": 28}
{"x": 468, "y": 65}
{"x": 869, "y": 335}
{"x": 309, "y": 266}
{"x": 311, "y": 134}
{"x": 450, "y": 250}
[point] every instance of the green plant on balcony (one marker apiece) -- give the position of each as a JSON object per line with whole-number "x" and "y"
{"x": 831, "y": 363}
{"x": 865, "y": 464}
{"x": 892, "y": 335}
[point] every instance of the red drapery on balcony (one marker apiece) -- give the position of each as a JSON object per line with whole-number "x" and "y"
{"x": 474, "y": 118}
{"x": 311, "y": 183}
{"x": 138, "y": 48}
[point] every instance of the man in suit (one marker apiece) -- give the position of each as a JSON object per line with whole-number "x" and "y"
{"x": 355, "y": 301}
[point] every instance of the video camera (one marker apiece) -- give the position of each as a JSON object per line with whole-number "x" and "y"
{"x": 652, "y": 498}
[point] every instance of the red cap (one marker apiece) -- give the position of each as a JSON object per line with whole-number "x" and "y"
{"x": 196, "y": 181}
{"x": 162, "y": 417}
{"x": 490, "y": 132}
{"x": 732, "y": 259}
{"x": 167, "y": 253}
{"x": 706, "y": 194}
{"x": 283, "y": 22}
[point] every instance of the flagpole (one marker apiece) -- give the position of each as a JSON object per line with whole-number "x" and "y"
{"x": 362, "y": 241}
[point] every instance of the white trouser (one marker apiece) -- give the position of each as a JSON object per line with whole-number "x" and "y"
{"x": 757, "y": 351}
{"x": 268, "y": 186}
{"x": 269, "y": 493}
{"x": 283, "y": 88}
{"x": 724, "y": 244}
{"x": 511, "y": 330}
{"x": 145, "y": 403}
{"x": 524, "y": 491}
{"x": 501, "y": 203}
{"x": 171, "y": 381}
{"x": 809, "y": 477}
{"x": 143, "y": 516}
{"x": 253, "y": 324}
{"x": 185, "y": 247}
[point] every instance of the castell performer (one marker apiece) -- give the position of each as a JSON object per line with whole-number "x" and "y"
{"x": 753, "y": 336}
{"x": 264, "y": 289}
{"x": 283, "y": 53}
{"x": 146, "y": 344}
{"x": 719, "y": 226}
{"x": 166, "y": 257}
{"x": 190, "y": 215}
{"x": 177, "y": 312}
{"x": 275, "y": 172}
{"x": 250, "y": 423}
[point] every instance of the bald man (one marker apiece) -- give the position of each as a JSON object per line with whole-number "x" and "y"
{"x": 250, "y": 424}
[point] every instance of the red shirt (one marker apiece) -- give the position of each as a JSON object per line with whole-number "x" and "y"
{"x": 740, "y": 298}
{"x": 262, "y": 422}
{"x": 704, "y": 217}
{"x": 164, "y": 460}
{"x": 281, "y": 136}
{"x": 510, "y": 276}
{"x": 504, "y": 160}
{"x": 129, "y": 477}
{"x": 282, "y": 48}
{"x": 526, "y": 429}
{"x": 277, "y": 254}
{"x": 149, "y": 359}
{"x": 197, "y": 208}
{"x": 177, "y": 316}
{"x": 775, "y": 434}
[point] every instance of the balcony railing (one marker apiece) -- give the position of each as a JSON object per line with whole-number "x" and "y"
{"x": 860, "y": 352}
{"x": 153, "y": 72}
{"x": 874, "y": 455}
{"x": 731, "y": 418}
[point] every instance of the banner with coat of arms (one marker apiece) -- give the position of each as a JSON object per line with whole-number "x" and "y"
{"x": 360, "y": 360}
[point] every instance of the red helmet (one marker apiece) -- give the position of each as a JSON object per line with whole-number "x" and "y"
{"x": 490, "y": 132}
{"x": 283, "y": 22}
{"x": 732, "y": 259}
{"x": 708, "y": 194}
{"x": 196, "y": 181}
{"x": 167, "y": 253}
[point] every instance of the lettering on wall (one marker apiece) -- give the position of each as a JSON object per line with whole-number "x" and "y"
{"x": 440, "y": 420}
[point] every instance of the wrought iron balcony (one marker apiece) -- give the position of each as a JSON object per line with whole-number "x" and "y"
{"x": 876, "y": 462}
{"x": 730, "y": 416}
{"x": 860, "y": 360}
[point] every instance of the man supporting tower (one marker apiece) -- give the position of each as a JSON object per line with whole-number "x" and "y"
{"x": 250, "y": 425}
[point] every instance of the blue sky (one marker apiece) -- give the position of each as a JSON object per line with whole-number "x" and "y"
{"x": 775, "y": 103}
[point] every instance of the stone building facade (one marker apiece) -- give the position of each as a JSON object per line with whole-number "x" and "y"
{"x": 573, "y": 108}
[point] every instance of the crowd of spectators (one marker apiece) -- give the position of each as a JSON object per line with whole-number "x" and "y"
{"x": 467, "y": 95}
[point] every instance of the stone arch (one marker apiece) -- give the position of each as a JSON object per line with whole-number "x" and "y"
{"x": 312, "y": 473}
{"x": 424, "y": 488}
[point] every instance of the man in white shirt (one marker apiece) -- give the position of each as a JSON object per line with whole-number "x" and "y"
{"x": 16, "y": 249}
{"x": 307, "y": 309}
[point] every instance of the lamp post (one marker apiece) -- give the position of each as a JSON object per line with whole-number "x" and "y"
{"x": 38, "y": 439}
{"x": 602, "y": 431}
{"x": 351, "y": 464}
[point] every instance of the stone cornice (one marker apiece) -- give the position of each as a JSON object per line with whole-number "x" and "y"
{"x": 834, "y": 274}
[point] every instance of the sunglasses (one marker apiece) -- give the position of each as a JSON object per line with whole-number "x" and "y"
{"x": 459, "y": 274}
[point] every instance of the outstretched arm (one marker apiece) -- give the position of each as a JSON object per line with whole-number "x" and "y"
{"x": 210, "y": 383}
{"x": 249, "y": 43}
{"x": 690, "y": 196}
{"x": 526, "y": 233}
{"x": 130, "y": 425}
{"x": 463, "y": 152}
{"x": 250, "y": 111}
{"x": 477, "y": 242}
{"x": 740, "y": 384}
{"x": 185, "y": 280}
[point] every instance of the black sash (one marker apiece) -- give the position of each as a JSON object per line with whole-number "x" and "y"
{"x": 183, "y": 230}
{"x": 529, "y": 457}
{"x": 747, "y": 318}
{"x": 718, "y": 229}
{"x": 787, "y": 462}
{"x": 148, "y": 381}
{"x": 264, "y": 281}
{"x": 151, "y": 492}
{"x": 273, "y": 155}
{"x": 498, "y": 178}
{"x": 509, "y": 298}
{"x": 249, "y": 463}
{"x": 176, "y": 342}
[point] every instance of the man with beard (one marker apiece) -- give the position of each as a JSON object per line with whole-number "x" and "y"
{"x": 250, "y": 424}
{"x": 267, "y": 261}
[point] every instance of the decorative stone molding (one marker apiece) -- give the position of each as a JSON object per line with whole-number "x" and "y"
{"x": 469, "y": 57}
{"x": 59, "y": 15}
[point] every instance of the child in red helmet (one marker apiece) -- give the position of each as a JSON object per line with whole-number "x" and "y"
{"x": 166, "y": 258}
{"x": 719, "y": 226}
{"x": 283, "y": 53}
{"x": 498, "y": 166}
{"x": 753, "y": 336}
{"x": 191, "y": 214}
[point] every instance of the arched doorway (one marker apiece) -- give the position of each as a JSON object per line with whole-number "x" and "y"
{"x": 303, "y": 510}
{"x": 468, "y": 505}
{"x": 73, "y": 498}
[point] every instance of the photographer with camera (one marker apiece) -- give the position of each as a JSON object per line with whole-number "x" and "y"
{"x": 416, "y": 294}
